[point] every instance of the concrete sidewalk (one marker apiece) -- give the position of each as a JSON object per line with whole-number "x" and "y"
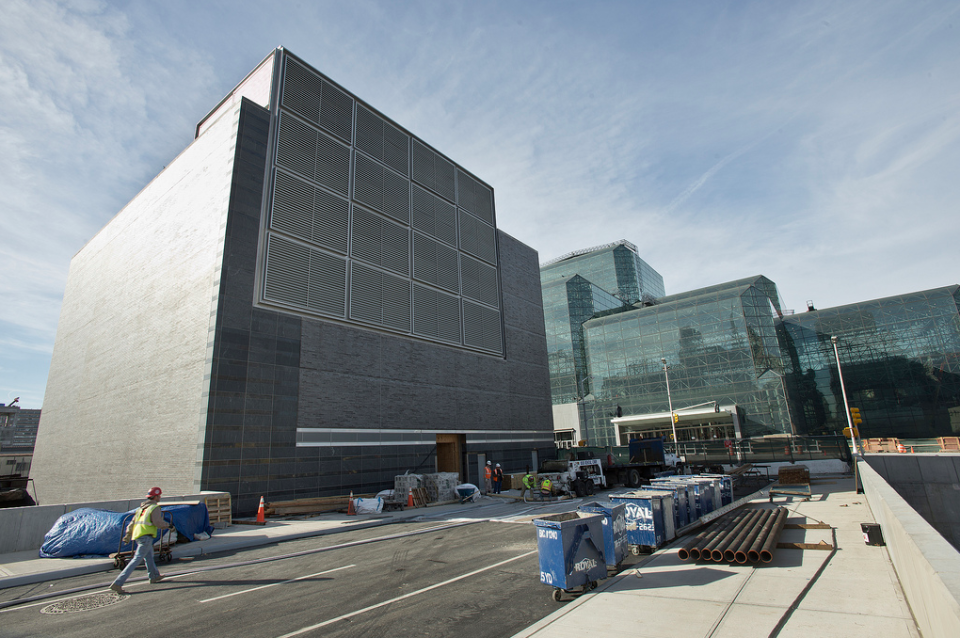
{"x": 851, "y": 592}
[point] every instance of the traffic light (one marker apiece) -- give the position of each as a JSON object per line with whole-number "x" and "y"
{"x": 855, "y": 416}
{"x": 846, "y": 432}
{"x": 676, "y": 418}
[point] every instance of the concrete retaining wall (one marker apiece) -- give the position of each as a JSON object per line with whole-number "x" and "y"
{"x": 927, "y": 565}
{"x": 930, "y": 483}
{"x": 23, "y": 528}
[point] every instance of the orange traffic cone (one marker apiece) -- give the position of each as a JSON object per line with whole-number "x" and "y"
{"x": 351, "y": 509}
{"x": 901, "y": 448}
{"x": 410, "y": 498}
{"x": 260, "y": 516}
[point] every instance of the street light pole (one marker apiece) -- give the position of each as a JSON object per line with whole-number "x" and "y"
{"x": 846, "y": 405}
{"x": 581, "y": 401}
{"x": 673, "y": 425}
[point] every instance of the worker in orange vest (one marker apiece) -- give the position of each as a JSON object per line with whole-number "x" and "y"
{"x": 487, "y": 478}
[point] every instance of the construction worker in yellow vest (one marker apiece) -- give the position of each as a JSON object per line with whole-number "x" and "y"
{"x": 546, "y": 488}
{"x": 529, "y": 482}
{"x": 142, "y": 530}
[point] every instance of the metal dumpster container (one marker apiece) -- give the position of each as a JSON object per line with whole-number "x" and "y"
{"x": 706, "y": 496}
{"x": 682, "y": 495}
{"x": 570, "y": 547}
{"x": 614, "y": 530}
{"x": 649, "y": 518}
{"x": 726, "y": 487}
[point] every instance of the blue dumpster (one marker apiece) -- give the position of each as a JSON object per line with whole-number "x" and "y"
{"x": 726, "y": 487}
{"x": 649, "y": 515}
{"x": 614, "y": 530}
{"x": 570, "y": 547}
{"x": 681, "y": 504}
{"x": 702, "y": 491}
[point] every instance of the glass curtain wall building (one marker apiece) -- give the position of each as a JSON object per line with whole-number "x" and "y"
{"x": 900, "y": 358}
{"x": 721, "y": 347}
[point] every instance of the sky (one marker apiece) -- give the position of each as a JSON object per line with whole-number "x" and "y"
{"x": 812, "y": 142}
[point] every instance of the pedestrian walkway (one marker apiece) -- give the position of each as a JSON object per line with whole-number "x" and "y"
{"x": 851, "y": 592}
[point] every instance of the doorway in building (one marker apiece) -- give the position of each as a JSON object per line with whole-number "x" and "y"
{"x": 449, "y": 452}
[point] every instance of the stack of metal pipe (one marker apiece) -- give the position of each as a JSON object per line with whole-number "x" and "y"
{"x": 749, "y": 535}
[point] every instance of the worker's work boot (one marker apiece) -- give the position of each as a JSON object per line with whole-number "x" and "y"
{"x": 118, "y": 589}
{"x": 157, "y": 579}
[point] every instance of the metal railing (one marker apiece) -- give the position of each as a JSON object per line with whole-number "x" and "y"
{"x": 764, "y": 450}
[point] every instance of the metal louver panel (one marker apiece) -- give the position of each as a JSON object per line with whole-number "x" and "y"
{"x": 336, "y": 111}
{"x": 448, "y": 268}
{"x": 287, "y": 272}
{"x": 381, "y": 140}
{"x": 305, "y": 278}
{"x": 477, "y": 238}
{"x": 381, "y": 189}
{"x": 330, "y": 221}
{"x": 366, "y": 294}
{"x": 380, "y": 242}
{"x": 309, "y": 213}
{"x": 328, "y": 275}
{"x": 479, "y": 281}
{"x": 474, "y": 197}
{"x": 433, "y": 171}
{"x": 292, "y": 206}
{"x": 396, "y": 196}
{"x": 434, "y": 216}
{"x": 368, "y": 182}
{"x": 425, "y": 311}
{"x": 366, "y": 236}
{"x": 301, "y": 91}
{"x": 481, "y": 327}
{"x": 333, "y": 164}
{"x": 395, "y": 247}
{"x": 296, "y": 146}
{"x": 424, "y": 259}
{"x": 380, "y": 298}
{"x": 436, "y": 314}
{"x": 396, "y": 303}
{"x": 448, "y": 318}
{"x": 396, "y": 149}
{"x": 312, "y": 154}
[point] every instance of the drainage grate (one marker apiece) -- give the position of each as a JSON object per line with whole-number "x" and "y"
{"x": 83, "y": 603}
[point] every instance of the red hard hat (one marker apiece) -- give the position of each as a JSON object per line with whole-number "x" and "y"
{"x": 154, "y": 492}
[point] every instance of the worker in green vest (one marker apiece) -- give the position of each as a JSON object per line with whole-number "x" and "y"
{"x": 142, "y": 530}
{"x": 529, "y": 482}
{"x": 546, "y": 488}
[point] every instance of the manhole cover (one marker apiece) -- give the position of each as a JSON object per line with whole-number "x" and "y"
{"x": 84, "y": 603}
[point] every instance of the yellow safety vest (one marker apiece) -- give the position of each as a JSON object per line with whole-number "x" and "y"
{"x": 528, "y": 481}
{"x": 545, "y": 486}
{"x": 141, "y": 522}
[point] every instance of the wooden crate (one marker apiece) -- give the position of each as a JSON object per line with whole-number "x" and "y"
{"x": 949, "y": 443}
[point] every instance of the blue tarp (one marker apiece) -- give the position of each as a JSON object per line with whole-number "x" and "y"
{"x": 91, "y": 532}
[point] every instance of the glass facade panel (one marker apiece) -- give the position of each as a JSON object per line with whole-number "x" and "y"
{"x": 899, "y": 358}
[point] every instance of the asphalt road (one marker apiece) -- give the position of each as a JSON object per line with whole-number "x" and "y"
{"x": 474, "y": 580}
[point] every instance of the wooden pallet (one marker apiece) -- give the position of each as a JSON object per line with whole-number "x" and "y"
{"x": 220, "y": 509}
{"x": 420, "y": 497}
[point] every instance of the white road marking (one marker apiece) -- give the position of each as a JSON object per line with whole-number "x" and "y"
{"x": 399, "y": 598}
{"x": 292, "y": 580}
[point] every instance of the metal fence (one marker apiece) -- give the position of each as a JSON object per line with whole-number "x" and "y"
{"x": 767, "y": 450}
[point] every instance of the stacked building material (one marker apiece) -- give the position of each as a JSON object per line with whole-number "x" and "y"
{"x": 739, "y": 537}
{"x": 442, "y": 486}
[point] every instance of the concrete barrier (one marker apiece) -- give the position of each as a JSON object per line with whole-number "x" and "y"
{"x": 927, "y": 565}
{"x": 23, "y": 528}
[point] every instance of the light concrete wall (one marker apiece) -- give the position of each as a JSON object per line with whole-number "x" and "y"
{"x": 930, "y": 483}
{"x": 927, "y": 565}
{"x": 566, "y": 416}
{"x": 124, "y": 400}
